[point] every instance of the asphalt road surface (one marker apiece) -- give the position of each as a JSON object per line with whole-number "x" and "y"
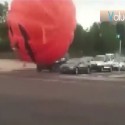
{"x": 29, "y": 98}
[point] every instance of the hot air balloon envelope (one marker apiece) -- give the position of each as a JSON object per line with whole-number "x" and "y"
{"x": 42, "y": 30}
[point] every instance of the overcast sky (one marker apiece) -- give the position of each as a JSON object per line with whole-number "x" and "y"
{"x": 88, "y": 11}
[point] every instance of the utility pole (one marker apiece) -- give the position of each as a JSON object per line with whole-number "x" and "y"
{"x": 120, "y": 44}
{"x": 120, "y": 47}
{"x": 120, "y": 29}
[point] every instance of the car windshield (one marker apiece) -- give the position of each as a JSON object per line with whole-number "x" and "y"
{"x": 73, "y": 61}
{"x": 86, "y": 58}
{"x": 99, "y": 58}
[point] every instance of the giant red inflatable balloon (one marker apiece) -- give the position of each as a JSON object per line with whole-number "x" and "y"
{"x": 42, "y": 29}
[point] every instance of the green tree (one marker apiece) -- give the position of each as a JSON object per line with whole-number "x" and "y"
{"x": 120, "y": 29}
{"x": 78, "y": 41}
{"x": 100, "y": 39}
{"x": 110, "y": 42}
{"x": 3, "y": 25}
{"x": 94, "y": 40}
{"x": 4, "y": 41}
{"x": 3, "y": 12}
{"x": 3, "y": 31}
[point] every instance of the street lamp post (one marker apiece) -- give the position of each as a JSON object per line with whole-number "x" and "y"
{"x": 100, "y": 34}
{"x": 120, "y": 44}
{"x": 120, "y": 47}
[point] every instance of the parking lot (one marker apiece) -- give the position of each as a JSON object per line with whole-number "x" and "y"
{"x": 15, "y": 68}
{"x": 31, "y": 98}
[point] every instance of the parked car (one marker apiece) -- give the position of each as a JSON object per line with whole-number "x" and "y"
{"x": 119, "y": 64}
{"x": 103, "y": 63}
{"x": 111, "y": 55}
{"x": 53, "y": 67}
{"x": 58, "y": 63}
{"x": 76, "y": 66}
{"x": 63, "y": 59}
{"x": 108, "y": 63}
{"x": 98, "y": 63}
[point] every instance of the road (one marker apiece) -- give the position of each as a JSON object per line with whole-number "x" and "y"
{"x": 29, "y": 98}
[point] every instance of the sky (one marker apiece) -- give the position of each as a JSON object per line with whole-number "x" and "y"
{"x": 88, "y": 11}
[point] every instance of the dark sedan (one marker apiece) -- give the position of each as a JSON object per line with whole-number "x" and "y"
{"x": 53, "y": 67}
{"x": 75, "y": 66}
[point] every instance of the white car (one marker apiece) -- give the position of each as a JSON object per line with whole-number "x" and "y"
{"x": 119, "y": 64}
{"x": 98, "y": 63}
{"x": 108, "y": 65}
{"x": 110, "y": 55}
{"x": 102, "y": 63}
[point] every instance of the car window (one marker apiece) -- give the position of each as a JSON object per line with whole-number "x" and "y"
{"x": 99, "y": 58}
{"x": 73, "y": 61}
{"x": 83, "y": 62}
{"x": 107, "y": 59}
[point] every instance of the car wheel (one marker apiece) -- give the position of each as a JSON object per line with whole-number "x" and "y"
{"x": 100, "y": 69}
{"x": 110, "y": 70}
{"x": 38, "y": 68}
{"x": 88, "y": 70}
{"x": 76, "y": 71}
{"x": 122, "y": 68}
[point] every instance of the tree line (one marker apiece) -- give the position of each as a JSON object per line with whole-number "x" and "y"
{"x": 4, "y": 40}
{"x": 99, "y": 39}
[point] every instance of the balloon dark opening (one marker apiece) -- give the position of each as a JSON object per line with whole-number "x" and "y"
{"x": 11, "y": 31}
{"x": 26, "y": 42}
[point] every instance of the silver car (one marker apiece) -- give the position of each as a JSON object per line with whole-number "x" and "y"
{"x": 119, "y": 64}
